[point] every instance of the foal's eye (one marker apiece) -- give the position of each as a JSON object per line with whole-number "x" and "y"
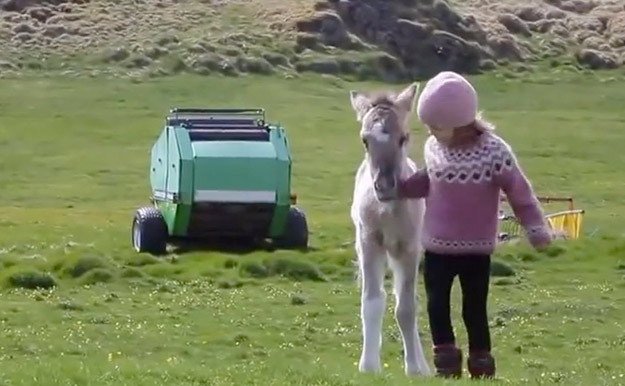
{"x": 364, "y": 142}
{"x": 402, "y": 140}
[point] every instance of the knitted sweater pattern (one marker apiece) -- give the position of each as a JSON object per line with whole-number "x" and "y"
{"x": 463, "y": 187}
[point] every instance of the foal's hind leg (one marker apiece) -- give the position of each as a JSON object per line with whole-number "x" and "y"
{"x": 372, "y": 262}
{"x": 405, "y": 277}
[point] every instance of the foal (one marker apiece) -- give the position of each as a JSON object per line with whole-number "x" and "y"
{"x": 387, "y": 229}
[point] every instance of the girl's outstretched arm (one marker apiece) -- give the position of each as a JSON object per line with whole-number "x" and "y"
{"x": 522, "y": 198}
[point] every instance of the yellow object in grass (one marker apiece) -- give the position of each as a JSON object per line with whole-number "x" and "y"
{"x": 567, "y": 223}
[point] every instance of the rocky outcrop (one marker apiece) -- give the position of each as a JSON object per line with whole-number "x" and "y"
{"x": 428, "y": 36}
{"x": 424, "y": 36}
{"x": 21, "y": 5}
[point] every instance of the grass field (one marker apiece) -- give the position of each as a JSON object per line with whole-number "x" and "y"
{"x": 75, "y": 154}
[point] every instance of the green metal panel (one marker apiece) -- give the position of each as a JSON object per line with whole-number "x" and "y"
{"x": 171, "y": 165}
{"x": 158, "y": 164}
{"x": 168, "y": 210}
{"x": 178, "y": 182}
{"x": 235, "y": 165}
{"x": 187, "y": 167}
{"x": 179, "y": 166}
{"x": 283, "y": 184}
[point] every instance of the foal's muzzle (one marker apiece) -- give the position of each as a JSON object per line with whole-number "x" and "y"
{"x": 385, "y": 188}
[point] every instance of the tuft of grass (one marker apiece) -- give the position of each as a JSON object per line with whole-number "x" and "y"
{"x": 329, "y": 269}
{"x": 162, "y": 270}
{"x": 276, "y": 59}
{"x": 118, "y": 54}
{"x": 554, "y": 250}
{"x": 31, "y": 279}
{"x": 298, "y": 300}
{"x": 143, "y": 260}
{"x": 229, "y": 284}
{"x": 241, "y": 338}
{"x": 254, "y": 65}
{"x": 213, "y": 273}
{"x": 289, "y": 268}
{"x": 254, "y": 269}
{"x": 231, "y": 263}
{"x": 68, "y": 305}
{"x": 505, "y": 281}
{"x": 172, "y": 64}
{"x": 294, "y": 269}
{"x": 528, "y": 256}
{"x": 85, "y": 264}
{"x": 132, "y": 272}
{"x": 9, "y": 261}
{"x": 97, "y": 275}
{"x": 499, "y": 268}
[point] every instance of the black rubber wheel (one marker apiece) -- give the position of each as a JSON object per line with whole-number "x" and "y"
{"x": 149, "y": 231}
{"x": 295, "y": 230}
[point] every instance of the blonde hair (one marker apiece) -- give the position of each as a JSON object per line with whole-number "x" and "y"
{"x": 482, "y": 124}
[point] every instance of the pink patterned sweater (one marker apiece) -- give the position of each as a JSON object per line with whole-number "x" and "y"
{"x": 462, "y": 187}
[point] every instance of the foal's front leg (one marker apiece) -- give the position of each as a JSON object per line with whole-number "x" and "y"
{"x": 372, "y": 261}
{"x": 405, "y": 278}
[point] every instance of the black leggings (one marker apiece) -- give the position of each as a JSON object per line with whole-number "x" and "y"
{"x": 474, "y": 274}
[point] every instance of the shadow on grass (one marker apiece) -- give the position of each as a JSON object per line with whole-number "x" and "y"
{"x": 230, "y": 245}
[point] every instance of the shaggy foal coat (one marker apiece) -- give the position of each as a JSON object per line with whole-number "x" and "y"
{"x": 387, "y": 230}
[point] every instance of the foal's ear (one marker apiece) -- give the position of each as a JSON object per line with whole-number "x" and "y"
{"x": 360, "y": 103}
{"x": 406, "y": 99}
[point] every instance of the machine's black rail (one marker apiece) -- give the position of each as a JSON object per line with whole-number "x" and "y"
{"x": 217, "y": 118}
{"x": 238, "y": 134}
{"x": 215, "y": 111}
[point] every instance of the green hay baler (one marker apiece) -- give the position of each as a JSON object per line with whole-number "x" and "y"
{"x": 219, "y": 173}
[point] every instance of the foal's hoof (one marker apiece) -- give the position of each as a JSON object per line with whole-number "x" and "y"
{"x": 369, "y": 366}
{"x": 413, "y": 370}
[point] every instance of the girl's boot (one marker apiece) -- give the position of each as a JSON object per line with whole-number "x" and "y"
{"x": 448, "y": 361}
{"x": 481, "y": 364}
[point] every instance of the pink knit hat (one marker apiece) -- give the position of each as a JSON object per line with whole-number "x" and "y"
{"x": 447, "y": 101}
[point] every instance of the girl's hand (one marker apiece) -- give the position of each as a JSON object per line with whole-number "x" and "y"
{"x": 415, "y": 186}
{"x": 540, "y": 237}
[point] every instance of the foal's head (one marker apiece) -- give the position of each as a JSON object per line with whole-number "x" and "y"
{"x": 384, "y": 133}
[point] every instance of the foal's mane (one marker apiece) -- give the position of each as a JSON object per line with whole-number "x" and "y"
{"x": 382, "y": 99}
{"x": 383, "y": 104}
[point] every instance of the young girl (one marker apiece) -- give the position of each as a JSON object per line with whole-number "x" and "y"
{"x": 466, "y": 166}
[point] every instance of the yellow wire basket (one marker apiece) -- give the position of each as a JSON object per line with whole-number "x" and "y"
{"x": 566, "y": 224}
